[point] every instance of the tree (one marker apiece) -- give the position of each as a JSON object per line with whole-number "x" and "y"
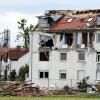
{"x": 23, "y": 71}
{"x": 24, "y": 33}
{"x": 5, "y": 75}
{"x": 13, "y": 75}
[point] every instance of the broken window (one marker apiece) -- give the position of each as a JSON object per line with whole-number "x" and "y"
{"x": 81, "y": 56}
{"x": 68, "y": 38}
{"x": 84, "y": 38}
{"x": 63, "y": 56}
{"x": 98, "y": 37}
{"x": 44, "y": 56}
{"x": 43, "y": 74}
{"x": 62, "y": 74}
{"x": 98, "y": 20}
{"x": 98, "y": 57}
{"x": 46, "y": 41}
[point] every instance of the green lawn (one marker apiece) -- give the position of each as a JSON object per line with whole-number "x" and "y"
{"x": 48, "y": 98}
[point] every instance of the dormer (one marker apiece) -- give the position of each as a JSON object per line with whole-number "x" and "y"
{"x": 43, "y": 22}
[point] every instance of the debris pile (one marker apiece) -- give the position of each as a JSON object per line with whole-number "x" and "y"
{"x": 20, "y": 89}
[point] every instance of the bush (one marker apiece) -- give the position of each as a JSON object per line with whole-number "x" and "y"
{"x": 23, "y": 71}
{"x": 82, "y": 85}
{"x": 98, "y": 87}
{"x": 13, "y": 75}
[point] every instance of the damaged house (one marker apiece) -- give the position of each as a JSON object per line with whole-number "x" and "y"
{"x": 65, "y": 48}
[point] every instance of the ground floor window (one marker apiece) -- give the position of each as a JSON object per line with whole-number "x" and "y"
{"x": 80, "y": 74}
{"x": 98, "y": 57}
{"x": 98, "y": 75}
{"x": 43, "y": 74}
{"x": 62, "y": 74}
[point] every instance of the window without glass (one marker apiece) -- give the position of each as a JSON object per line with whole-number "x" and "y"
{"x": 44, "y": 56}
{"x": 81, "y": 56}
{"x": 43, "y": 74}
{"x": 63, "y": 74}
{"x": 63, "y": 56}
{"x": 98, "y": 20}
{"x": 68, "y": 38}
{"x": 98, "y": 37}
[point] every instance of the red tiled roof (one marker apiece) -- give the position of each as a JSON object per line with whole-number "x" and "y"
{"x": 76, "y": 23}
{"x": 12, "y": 53}
{"x": 15, "y": 54}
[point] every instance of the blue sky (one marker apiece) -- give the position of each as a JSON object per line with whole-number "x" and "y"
{"x": 13, "y": 10}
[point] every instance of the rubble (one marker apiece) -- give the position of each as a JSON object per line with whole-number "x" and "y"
{"x": 20, "y": 89}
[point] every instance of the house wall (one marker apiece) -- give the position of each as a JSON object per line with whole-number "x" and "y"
{"x": 54, "y": 65}
{"x": 21, "y": 62}
{"x": 96, "y": 42}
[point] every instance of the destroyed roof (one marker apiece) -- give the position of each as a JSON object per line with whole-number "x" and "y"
{"x": 74, "y": 12}
{"x": 72, "y": 22}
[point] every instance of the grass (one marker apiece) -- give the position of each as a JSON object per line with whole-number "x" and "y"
{"x": 48, "y": 98}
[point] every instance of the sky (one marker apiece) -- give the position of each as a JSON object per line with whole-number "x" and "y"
{"x": 11, "y": 11}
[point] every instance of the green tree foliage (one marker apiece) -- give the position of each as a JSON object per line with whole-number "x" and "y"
{"x": 24, "y": 33}
{"x": 13, "y": 75}
{"x": 23, "y": 71}
{"x": 5, "y": 74}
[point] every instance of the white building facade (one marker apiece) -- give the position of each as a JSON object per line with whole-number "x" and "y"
{"x": 67, "y": 56}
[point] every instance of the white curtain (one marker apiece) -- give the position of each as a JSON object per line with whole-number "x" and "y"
{"x": 79, "y": 38}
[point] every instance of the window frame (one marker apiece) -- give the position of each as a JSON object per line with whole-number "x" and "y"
{"x": 97, "y": 39}
{"x": 44, "y": 74}
{"x": 62, "y": 72}
{"x": 61, "y": 57}
{"x": 45, "y": 59}
{"x": 79, "y": 57}
{"x": 98, "y": 55}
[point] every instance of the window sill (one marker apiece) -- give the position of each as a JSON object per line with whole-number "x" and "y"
{"x": 62, "y": 79}
{"x": 98, "y": 62}
{"x": 63, "y": 60}
{"x": 43, "y": 78}
{"x": 81, "y": 61}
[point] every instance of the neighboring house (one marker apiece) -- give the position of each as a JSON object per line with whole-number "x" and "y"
{"x": 65, "y": 48}
{"x": 14, "y": 59}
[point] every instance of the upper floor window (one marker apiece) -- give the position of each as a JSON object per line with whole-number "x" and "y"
{"x": 63, "y": 56}
{"x": 44, "y": 56}
{"x": 98, "y": 20}
{"x": 98, "y": 57}
{"x": 81, "y": 56}
{"x": 98, "y": 37}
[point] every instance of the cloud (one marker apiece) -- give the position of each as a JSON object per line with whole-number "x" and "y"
{"x": 9, "y": 21}
{"x": 13, "y": 10}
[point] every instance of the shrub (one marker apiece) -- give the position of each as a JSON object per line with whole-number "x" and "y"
{"x": 82, "y": 85}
